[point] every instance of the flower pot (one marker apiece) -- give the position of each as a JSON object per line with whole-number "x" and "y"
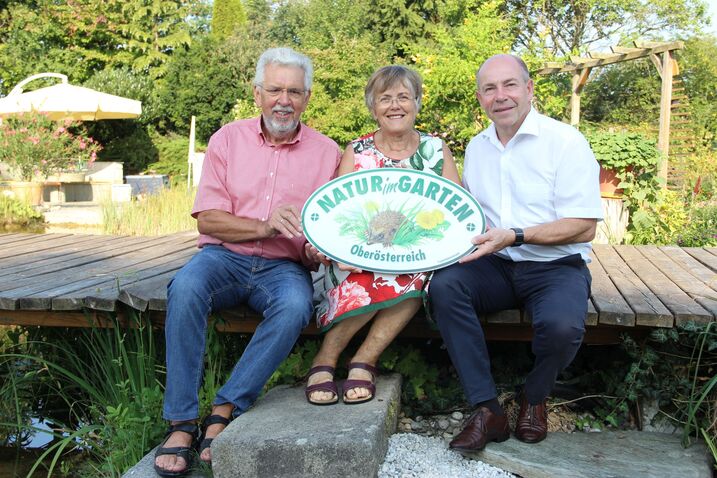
{"x": 608, "y": 183}
{"x": 26, "y": 191}
{"x": 67, "y": 177}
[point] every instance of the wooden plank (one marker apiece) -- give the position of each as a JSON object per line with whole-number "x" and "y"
{"x": 35, "y": 294}
{"x": 677, "y": 301}
{"x": 619, "y": 54}
{"x": 711, "y": 250}
{"x": 52, "y": 319}
{"x": 139, "y": 294}
{"x": 30, "y": 245}
{"x": 64, "y": 258}
{"x": 611, "y": 307}
{"x": 77, "y": 264}
{"x": 107, "y": 286}
{"x": 703, "y": 255}
{"x": 64, "y": 247}
{"x": 649, "y": 311}
{"x": 105, "y": 297}
{"x": 592, "y": 318}
{"x": 696, "y": 289}
{"x": 14, "y": 238}
{"x": 691, "y": 265}
{"x": 503, "y": 317}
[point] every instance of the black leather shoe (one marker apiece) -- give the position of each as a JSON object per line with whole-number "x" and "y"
{"x": 483, "y": 426}
{"x": 532, "y": 424}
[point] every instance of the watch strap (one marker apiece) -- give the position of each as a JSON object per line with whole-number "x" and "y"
{"x": 519, "y": 236}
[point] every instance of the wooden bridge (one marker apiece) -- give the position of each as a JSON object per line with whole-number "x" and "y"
{"x": 76, "y": 280}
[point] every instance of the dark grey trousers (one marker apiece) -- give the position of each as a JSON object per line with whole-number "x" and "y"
{"x": 554, "y": 294}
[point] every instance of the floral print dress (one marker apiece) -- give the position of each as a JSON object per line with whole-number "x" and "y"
{"x": 342, "y": 294}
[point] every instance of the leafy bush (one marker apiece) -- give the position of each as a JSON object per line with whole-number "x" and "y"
{"x": 33, "y": 145}
{"x": 17, "y": 213}
{"x": 135, "y": 151}
{"x": 633, "y": 157}
{"x": 660, "y": 221}
{"x": 701, "y": 228}
{"x": 172, "y": 150}
{"x": 623, "y": 150}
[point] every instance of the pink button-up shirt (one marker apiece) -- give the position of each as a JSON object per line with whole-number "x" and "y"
{"x": 247, "y": 176}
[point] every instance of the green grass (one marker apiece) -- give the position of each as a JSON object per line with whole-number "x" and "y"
{"x": 166, "y": 212}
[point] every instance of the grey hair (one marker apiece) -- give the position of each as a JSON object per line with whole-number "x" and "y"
{"x": 523, "y": 67}
{"x": 389, "y": 76}
{"x": 286, "y": 57}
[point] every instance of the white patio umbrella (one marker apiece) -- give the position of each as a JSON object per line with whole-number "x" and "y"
{"x": 65, "y": 101}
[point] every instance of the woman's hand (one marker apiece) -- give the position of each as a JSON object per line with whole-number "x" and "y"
{"x": 348, "y": 268}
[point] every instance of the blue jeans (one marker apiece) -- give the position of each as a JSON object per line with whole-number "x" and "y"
{"x": 554, "y": 294}
{"x": 215, "y": 279}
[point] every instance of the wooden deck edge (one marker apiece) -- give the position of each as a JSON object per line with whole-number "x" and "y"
{"x": 243, "y": 322}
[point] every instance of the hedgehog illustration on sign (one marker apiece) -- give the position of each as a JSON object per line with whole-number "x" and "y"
{"x": 383, "y": 227}
{"x": 392, "y": 226}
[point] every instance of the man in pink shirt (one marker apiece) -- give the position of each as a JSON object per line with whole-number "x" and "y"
{"x": 256, "y": 177}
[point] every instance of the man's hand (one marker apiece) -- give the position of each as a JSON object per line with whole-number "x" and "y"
{"x": 314, "y": 255}
{"x": 493, "y": 240}
{"x": 285, "y": 220}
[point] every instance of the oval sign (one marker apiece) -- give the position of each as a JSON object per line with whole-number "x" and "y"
{"x": 392, "y": 220}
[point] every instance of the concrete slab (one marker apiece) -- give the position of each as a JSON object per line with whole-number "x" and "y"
{"x": 629, "y": 454}
{"x": 284, "y": 436}
{"x": 78, "y": 214}
{"x": 145, "y": 469}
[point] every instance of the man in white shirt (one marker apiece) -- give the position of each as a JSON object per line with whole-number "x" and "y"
{"x": 537, "y": 181}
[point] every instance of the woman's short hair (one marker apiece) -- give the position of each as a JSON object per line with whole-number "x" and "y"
{"x": 286, "y": 57}
{"x": 387, "y": 77}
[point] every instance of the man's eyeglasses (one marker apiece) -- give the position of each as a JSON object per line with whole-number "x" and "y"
{"x": 293, "y": 93}
{"x": 402, "y": 100}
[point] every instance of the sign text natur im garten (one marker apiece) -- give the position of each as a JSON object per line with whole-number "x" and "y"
{"x": 392, "y": 220}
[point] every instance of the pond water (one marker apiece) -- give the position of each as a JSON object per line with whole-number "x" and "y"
{"x": 16, "y": 463}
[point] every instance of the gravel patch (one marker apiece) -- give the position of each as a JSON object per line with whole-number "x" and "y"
{"x": 410, "y": 455}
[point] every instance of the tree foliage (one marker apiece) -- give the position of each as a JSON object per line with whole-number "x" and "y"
{"x": 567, "y": 27}
{"x": 448, "y": 68}
{"x": 81, "y": 37}
{"x": 193, "y": 85}
{"x": 227, "y": 15}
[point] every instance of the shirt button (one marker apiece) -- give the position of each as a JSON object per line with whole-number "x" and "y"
{"x": 271, "y": 174}
{"x": 267, "y": 198}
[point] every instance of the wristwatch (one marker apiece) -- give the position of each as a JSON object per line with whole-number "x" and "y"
{"x": 519, "y": 236}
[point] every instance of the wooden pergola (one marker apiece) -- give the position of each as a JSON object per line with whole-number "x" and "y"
{"x": 661, "y": 54}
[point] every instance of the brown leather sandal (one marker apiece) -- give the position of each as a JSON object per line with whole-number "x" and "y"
{"x": 355, "y": 383}
{"x": 329, "y": 386}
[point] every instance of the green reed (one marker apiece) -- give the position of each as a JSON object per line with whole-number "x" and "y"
{"x": 165, "y": 212}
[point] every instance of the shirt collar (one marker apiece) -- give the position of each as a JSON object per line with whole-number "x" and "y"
{"x": 262, "y": 140}
{"x": 530, "y": 126}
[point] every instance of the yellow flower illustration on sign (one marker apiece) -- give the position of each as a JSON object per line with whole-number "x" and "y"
{"x": 372, "y": 207}
{"x": 430, "y": 219}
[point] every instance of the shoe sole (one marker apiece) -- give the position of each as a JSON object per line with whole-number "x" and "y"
{"x": 469, "y": 451}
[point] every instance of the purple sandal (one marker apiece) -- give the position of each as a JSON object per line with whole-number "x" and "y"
{"x": 354, "y": 383}
{"x": 322, "y": 387}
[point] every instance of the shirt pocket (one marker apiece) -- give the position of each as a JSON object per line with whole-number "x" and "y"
{"x": 533, "y": 203}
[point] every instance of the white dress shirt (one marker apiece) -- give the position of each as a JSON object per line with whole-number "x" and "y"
{"x": 546, "y": 172}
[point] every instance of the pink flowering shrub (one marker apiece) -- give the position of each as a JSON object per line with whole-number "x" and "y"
{"x": 33, "y": 146}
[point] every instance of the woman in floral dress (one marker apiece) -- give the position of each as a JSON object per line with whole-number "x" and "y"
{"x": 350, "y": 297}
